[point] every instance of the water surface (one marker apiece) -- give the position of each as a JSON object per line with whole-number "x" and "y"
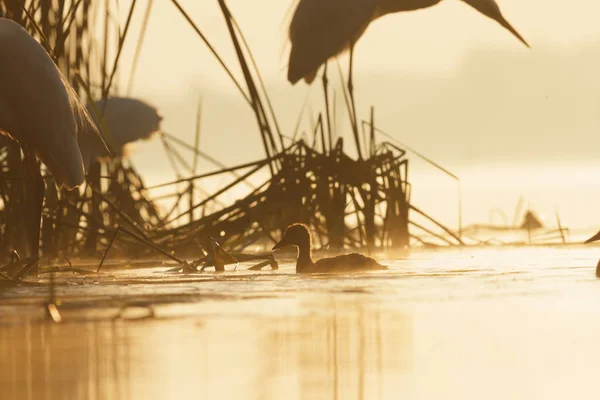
{"x": 518, "y": 323}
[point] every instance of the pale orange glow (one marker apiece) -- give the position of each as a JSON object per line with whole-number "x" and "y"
{"x": 446, "y": 324}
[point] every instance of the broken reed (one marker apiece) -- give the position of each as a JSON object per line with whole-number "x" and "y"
{"x": 349, "y": 203}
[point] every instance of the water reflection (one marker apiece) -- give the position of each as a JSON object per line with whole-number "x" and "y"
{"x": 335, "y": 349}
{"x": 70, "y": 361}
{"x": 346, "y": 352}
{"x": 479, "y": 323}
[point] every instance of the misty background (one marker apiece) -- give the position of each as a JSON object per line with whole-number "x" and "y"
{"x": 446, "y": 81}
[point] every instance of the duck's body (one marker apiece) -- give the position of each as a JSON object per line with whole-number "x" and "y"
{"x": 345, "y": 263}
{"x": 298, "y": 235}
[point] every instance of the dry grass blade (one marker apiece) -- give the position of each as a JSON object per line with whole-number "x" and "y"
{"x": 106, "y": 89}
{"x": 212, "y": 49}
{"x": 146, "y": 242}
{"x": 138, "y": 48}
{"x": 260, "y": 80}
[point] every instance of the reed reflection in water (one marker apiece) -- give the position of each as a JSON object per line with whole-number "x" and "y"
{"x": 338, "y": 349}
{"x": 88, "y": 360}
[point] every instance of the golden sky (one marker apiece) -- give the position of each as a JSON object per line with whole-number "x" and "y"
{"x": 433, "y": 39}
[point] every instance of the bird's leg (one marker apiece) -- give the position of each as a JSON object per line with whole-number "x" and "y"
{"x": 351, "y": 85}
{"x": 353, "y": 104}
{"x": 34, "y": 199}
{"x": 326, "y": 93}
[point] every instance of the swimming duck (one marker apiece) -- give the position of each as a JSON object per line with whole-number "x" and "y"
{"x": 298, "y": 235}
{"x": 595, "y": 238}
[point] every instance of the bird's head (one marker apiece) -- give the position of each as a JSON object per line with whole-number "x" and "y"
{"x": 490, "y": 9}
{"x": 295, "y": 235}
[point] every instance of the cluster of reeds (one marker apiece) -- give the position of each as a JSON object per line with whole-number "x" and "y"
{"x": 348, "y": 202}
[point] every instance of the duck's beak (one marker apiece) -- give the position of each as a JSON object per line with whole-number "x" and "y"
{"x": 594, "y": 238}
{"x": 490, "y": 9}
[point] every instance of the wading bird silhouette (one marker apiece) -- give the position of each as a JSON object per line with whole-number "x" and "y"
{"x": 595, "y": 238}
{"x": 322, "y": 29}
{"x": 127, "y": 119}
{"x": 40, "y": 110}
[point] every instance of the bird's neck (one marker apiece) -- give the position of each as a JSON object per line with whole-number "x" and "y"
{"x": 385, "y": 7}
{"x": 304, "y": 257}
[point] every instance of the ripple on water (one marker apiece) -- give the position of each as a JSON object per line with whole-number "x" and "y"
{"x": 436, "y": 325}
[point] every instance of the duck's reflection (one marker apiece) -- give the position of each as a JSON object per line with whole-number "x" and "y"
{"x": 338, "y": 350}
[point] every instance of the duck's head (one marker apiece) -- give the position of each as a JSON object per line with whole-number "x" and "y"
{"x": 295, "y": 235}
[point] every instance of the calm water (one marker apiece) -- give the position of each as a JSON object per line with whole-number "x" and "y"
{"x": 516, "y": 323}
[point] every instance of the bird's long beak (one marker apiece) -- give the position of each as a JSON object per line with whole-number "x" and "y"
{"x": 502, "y": 21}
{"x": 490, "y": 9}
{"x": 280, "y": 244}
{"x": 594, "y": 238}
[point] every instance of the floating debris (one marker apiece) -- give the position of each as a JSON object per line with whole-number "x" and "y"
{"x": 52, "y": 312}
{"x": 531, "y": 222}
